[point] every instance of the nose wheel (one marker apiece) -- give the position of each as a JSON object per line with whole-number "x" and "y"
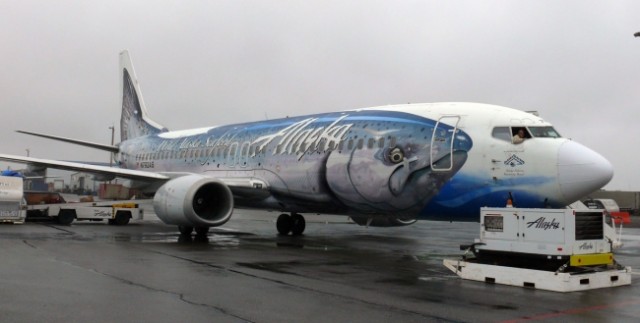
{"x": 294, "y": 224}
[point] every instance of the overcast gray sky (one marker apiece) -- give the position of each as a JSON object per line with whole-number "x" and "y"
{"x": 202, "y": 63}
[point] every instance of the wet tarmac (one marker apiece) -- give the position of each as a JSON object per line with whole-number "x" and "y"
{"x": 244, "y": 272}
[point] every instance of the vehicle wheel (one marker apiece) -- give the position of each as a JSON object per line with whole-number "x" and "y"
{"x": 185, "y": 230}
{"x": 122, "y": 218}
{"x": 65, "y": 217}
{"x": 34, "y": 214}
{"x": 298, "y": 224}
{"x": 202, "y": 231}
{"x": 284, "y": 224}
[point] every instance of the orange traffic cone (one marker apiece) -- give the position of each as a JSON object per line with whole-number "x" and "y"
{"x": 509, "y": 202}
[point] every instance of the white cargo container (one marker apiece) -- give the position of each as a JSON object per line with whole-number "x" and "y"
{"x": 12, "y": 206}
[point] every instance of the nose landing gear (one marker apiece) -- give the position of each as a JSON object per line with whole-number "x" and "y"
{"x": 294, "y": 224}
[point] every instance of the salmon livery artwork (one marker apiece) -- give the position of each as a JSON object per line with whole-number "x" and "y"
{"x": 381, "y": 166}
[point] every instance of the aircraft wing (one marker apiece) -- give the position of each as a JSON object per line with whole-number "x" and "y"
{"x": 86, "y": 168}
{"x": 251, "y": 188}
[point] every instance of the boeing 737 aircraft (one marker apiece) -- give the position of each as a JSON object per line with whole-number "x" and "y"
{"x": 382, "y": 166}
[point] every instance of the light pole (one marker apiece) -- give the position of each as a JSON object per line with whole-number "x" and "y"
{"x": 113, "y": 129}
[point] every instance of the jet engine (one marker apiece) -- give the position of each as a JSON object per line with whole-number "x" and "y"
{"x": 195, "y": 201}
{"x": 382, "y": 221}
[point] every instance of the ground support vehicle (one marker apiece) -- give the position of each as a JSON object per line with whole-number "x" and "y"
{"x": 12, "y": 205}
{"x": 560, "y": 250}
{"x": 115, "y": 212}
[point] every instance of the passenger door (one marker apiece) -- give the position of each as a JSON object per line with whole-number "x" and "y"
{"x": 442, "y": 140}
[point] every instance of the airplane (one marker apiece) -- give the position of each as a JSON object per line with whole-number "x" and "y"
{"x": 382, "y": 166}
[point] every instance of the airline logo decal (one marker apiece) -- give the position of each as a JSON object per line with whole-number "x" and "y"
{"x": 514, "y": 161}
{"x": 301, "y": 137}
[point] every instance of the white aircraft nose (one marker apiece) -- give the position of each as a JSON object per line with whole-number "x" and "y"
{"x": 581, "y": 171}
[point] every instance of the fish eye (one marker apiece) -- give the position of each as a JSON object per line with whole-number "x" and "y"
{"x": 396, "y": 155}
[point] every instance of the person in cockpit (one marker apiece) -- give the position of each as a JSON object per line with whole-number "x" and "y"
{"x": 519, "y": 137}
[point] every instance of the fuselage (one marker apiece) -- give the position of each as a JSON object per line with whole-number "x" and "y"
{"x": 439, "y": 161}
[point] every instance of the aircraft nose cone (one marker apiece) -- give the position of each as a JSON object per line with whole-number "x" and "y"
{"x": 581, "y": 171}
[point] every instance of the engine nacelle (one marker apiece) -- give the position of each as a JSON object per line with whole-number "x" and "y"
{"x": 382, "y": 221}
{"x": 194, "y": 200}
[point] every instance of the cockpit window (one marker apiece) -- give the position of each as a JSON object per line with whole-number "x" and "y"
{"x": 507, "y": 133}
{"x": 544, "y": 132}
{"x": 511, "y": 134}
{"x": 502, "y": 133}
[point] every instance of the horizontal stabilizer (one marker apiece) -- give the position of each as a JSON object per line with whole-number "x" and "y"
{"x": 113, "y": 149}
{"x": 85, "y": 168}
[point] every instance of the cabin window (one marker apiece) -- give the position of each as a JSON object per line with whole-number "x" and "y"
{"x": 381, "y": 143}
{"x": 360, "y": 143}
{"x": 371, "y": 143}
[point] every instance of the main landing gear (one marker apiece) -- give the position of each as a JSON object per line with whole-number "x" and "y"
{"x": 293, "y": 224}
{"x": 186, "y": 230}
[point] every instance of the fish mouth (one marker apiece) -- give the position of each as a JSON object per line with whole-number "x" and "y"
{"x": 413, "y": 183}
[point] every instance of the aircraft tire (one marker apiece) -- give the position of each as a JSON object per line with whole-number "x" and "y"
{"x": 298, "y": 224}
{"x": 185, "y": 230}
{"x": 284, "y": 224}
{"x": 202, "y": 231}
